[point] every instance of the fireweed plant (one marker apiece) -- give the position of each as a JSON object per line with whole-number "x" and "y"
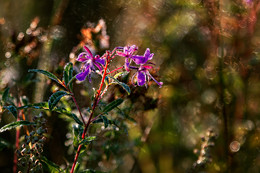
{"x": 139, "y": 64}
{"x": 99, "y": 64}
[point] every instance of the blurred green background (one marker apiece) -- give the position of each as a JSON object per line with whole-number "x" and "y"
{"x": 205, "y": 118}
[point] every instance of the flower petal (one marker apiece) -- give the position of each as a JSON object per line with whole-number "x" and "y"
{"x": 139, "y": 59}
{"x": 147, "y": 67}
{"x": 148, "y": 54}
{"x": 83, "y": 57}
{"x": 133, "y": 48}
{"x": 82, "y": 75}
{"x": 132, "y": 79}
{"x": 88, "y": 51}
{"x": 159, "y": 83}
{"x": 98, "y": 66}
{"x": 120, "y": 53}
{"x": 127, "y": 63}
{"x": 141, "y": 78}
{"x": 100, "y": 61}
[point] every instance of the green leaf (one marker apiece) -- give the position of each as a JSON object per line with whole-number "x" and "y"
{"x": 87, "y": 140}
{"x": 120, "y": 74}
{"x": 55, "y": 98}
{"x": 69, "y": 114}
{"x": 70, "y": 81}
{"x": 77, "y": 130}
{"x": 15, "y": 124}
{"x": 49, "y": 165}
{"x": 104, "y": 120}
{"x": 106, "y": 80}
{"x": 67, "y": 73}
{"x": 5, "y": 94}
{"x": 12, "y": 109}
{"x": 76, "y": 169}
{"x": 42, "y": 105}
{"x": 123, "y": 85}
{"x": 25, "y": 100}
{"x": 113, "y": 105}
{"x": 100, "y": 120}
{"x": 46, "y": 73}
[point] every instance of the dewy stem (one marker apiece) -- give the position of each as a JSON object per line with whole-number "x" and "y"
{"x": 91, "y": 114}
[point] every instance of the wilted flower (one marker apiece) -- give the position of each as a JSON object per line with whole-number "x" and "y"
{"x": 127, "y": 53}
{"x": 90, "y": 63}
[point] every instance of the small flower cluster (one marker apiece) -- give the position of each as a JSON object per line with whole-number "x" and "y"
{"x": 204, "y": 154}
{"x": 33, "y": 147}
{"x": 142, "y": 75}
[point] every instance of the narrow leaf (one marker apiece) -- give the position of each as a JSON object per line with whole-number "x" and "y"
{"x": 77, "y": 130}
{"x": 46, "y": 73}
{"x": 67, "y": 73}
{"x": 105, "y": 120}
{"x": 15, "y": 124}
{"x": 42, "y": 105}
{"x": 113, "y": 105}
{"x": 76, "y": 169}
{"x": 106, "y": 80}
{"x": 70, "y": 81}
{"x": 69, "y": 114}
{"x": 55, "y": 98}
{"x": 5, "y": 94}
{"x": 120, "y": 74}
{"x": 49, "y": 165}
{"x": 100, "y": 120}
{"x": 123, "y": 85}
{"x": 87, "y": 140}
{"x": 12, "y": 109}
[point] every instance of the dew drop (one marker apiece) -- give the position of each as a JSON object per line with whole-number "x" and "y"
{"x": 7, "y": 54}
{"x": 234, "y": 146}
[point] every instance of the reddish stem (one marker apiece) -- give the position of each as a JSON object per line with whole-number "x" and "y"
{"x": 75, "y": 101}
{"x": 17, "y": 142}
{"x": 90, "y": 116}
{"x": 116, "y": 69}
{"x": 73, "y": 97}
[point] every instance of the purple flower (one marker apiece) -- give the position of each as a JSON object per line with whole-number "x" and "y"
{"x": 140, "y": 60}
{"x": 90, "y": 63}
{"x": 143, "y": 76}
{"x": 127, "y": 53}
